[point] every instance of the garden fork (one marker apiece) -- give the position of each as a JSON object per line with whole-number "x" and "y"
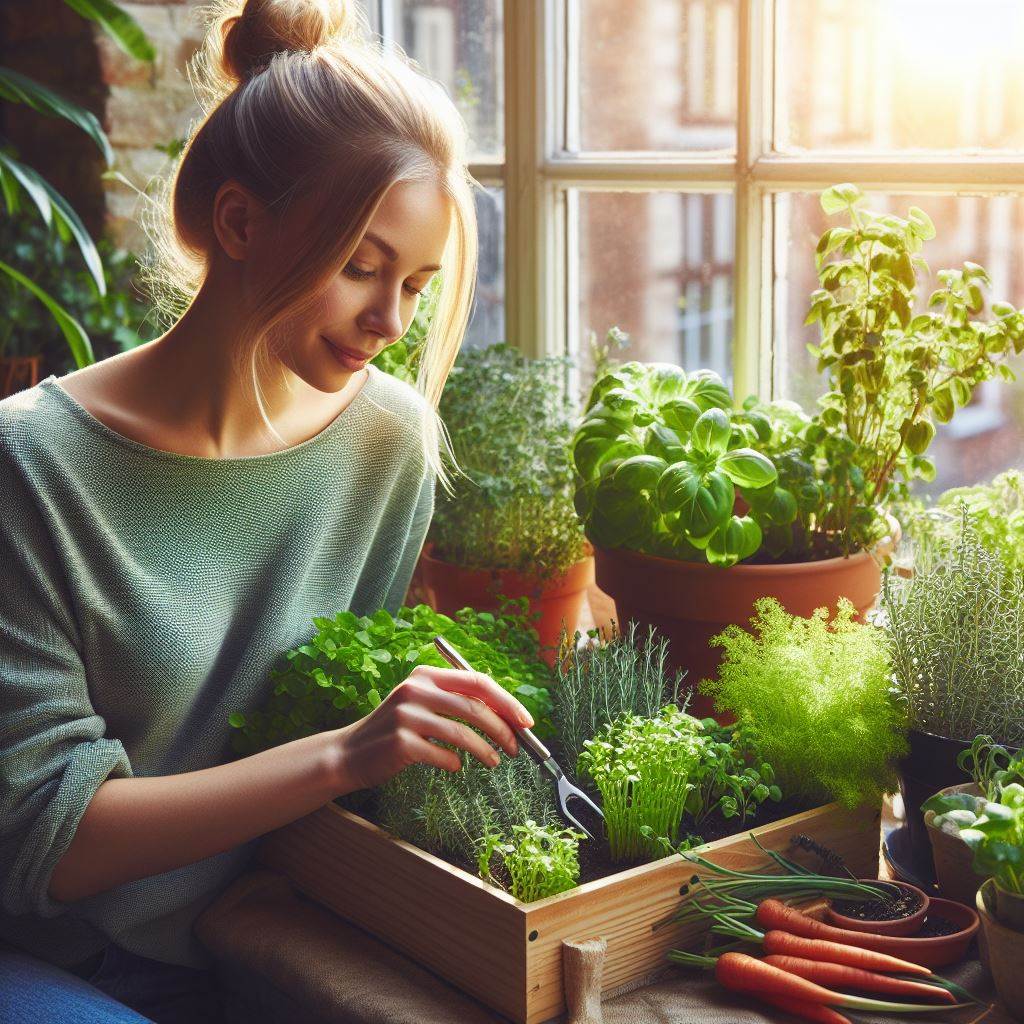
{"x": 532, "y": 745}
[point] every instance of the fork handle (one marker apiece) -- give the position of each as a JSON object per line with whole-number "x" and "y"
{"x": 532, "y": 745}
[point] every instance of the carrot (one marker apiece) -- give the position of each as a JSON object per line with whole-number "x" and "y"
{"x": 808, "y": 1011}
{"x": 840, "y": 976}
{"x": 747, "y": 974}
{"x": 775, "y": 914}
{"x": 784, "y": 944}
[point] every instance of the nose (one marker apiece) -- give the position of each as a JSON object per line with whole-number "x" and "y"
{"x": 383, "y": 317}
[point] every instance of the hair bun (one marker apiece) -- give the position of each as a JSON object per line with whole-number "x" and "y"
{"x": 266, "y": 27}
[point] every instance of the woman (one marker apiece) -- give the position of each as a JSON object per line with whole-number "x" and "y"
{"x": 177, "y": 515}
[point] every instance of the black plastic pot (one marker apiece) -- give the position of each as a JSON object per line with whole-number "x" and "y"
{"x": 930, "y": 766}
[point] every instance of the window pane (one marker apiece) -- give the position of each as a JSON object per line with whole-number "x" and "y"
{"x": 984, "y": 437}
{"x": 458, "y": 42}
{"x": 487, "y": 323}
{"x": 659, "y": 265}
{"x": 899, "y": 74}
{"x": 655, "y": 75}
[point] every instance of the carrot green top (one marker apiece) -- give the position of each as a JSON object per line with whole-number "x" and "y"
{"x": 144, "y": 596}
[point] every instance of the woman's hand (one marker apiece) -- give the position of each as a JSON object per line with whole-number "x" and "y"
{"x": 397, "y": 732}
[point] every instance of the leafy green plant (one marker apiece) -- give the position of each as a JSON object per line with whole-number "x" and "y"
{"x": 510, "y": 419}
{"x": 731, "y": 778}
{"x": 954, "y": 631}
{"x": 892, "y": 374}
{"x": 660, "y": 459}
{"x": 817, "y": 695}
{"x": 997, "y": 839}
{"x": 996, "y": 508}
{"x": 353, "y": 662}
{"x": 599, "y": 681}
{"x": 19, "y": 181}
{"x": 540, "y": 861}
{"x": 642, "y": 767}
{"x": 115, "y": 321}
{"x": 402, "y": 358}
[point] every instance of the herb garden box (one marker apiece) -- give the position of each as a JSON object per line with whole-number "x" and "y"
{"x": 506, "y": 953}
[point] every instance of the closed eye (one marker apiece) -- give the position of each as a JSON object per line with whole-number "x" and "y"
{"x": 358, "y": 274}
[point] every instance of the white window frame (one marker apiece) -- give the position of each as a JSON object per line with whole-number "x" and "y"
{"x": 541, "y": 301}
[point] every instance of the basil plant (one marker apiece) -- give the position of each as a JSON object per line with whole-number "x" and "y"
{"x": 661, "y": 458}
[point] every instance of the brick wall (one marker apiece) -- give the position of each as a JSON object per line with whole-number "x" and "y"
{"x": 147, "y": 106}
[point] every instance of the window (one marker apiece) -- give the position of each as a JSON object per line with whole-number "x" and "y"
{"x": 656, "y": 165}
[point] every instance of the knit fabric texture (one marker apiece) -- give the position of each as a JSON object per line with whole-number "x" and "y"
{"x": 145, "y": 596}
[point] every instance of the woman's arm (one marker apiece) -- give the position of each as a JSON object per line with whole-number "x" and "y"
{"x": 137, "y": 827}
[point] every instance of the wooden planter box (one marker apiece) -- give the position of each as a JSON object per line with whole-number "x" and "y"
{"x": 505, "y": 953}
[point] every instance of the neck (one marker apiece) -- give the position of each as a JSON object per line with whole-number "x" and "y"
{"x": 190, "y": 378}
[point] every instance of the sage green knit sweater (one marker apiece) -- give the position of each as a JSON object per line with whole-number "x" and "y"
{"x": 144, "y": 596}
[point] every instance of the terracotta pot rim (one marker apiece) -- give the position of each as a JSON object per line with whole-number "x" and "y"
{"x": 990, "y": 919}
{"x": 895, "y": 926}
{"x": 779, "y": 569}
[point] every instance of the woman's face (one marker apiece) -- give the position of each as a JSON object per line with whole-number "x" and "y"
{"x": 370, "y": 302}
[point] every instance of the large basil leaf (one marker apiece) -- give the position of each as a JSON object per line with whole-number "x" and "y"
{"x": 710, "y": 434}
{"x": 747, "y": 468}
{"x": 737, "y": 538}
{"x": 702, "y": 502}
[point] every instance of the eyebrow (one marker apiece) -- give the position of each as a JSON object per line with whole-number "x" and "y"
{"x": 389, "y": 251}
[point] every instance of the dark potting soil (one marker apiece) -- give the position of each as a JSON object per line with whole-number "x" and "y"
{"x": 889, "y": 908}
{"x": 935, "y": 925}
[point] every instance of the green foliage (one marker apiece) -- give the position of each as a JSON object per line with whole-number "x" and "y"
{"x": 892, "y": 375}
{"x": 18, "y": 180}
{"x": 993, "y": 829}
{"x": 402, "y": 358}
{"x": 510, "y": 420}
{"x": 642, "y": 767}
{"x": 817, "y": 695}
{"x": 600, "y": 681}
{"x": 541, "y": 860}
{"x": 660, "y": 460}
{"x": 353, "y": 662}
{"x": 732, "y": 778}
{"x": 114, "y": 322}
{"x": 996, "y": 508}
{"x": 954, "y": 632}
{"x": 447, "y": 813}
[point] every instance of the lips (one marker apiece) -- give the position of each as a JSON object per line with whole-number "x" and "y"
{"x": 349, "y": 357}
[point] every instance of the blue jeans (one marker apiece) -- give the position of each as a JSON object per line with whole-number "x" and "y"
{"x": 122, "y": 989}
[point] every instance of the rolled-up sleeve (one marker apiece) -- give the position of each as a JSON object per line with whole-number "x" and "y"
{"x": 53, "y": 752}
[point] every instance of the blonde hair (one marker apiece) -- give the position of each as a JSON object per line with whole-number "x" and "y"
{"x": 299, "y": 103}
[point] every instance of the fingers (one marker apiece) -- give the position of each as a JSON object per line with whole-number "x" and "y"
{"x": 423, "y": 751}
{"x": 472, "y": 709}
{"x": 479, "y": 685}
{"x": 419, "y": 720}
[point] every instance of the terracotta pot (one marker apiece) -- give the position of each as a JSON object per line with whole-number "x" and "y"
{"x": 899, "y": 926}
{"x": 952, "y": 857}
{"x": 689, "y": 602}
{"x": 18, "y": 373}
{"x": 1002, "y": 951}
{"x": 450, "y": 587}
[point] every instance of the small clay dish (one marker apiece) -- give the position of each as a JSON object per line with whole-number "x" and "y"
{"x": 909, "y": 924}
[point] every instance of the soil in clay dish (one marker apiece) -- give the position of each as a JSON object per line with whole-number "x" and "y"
{"x": 891, "y": 908}
{"x": 934, "y": 926}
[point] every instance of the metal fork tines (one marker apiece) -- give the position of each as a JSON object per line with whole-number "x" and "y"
{"x": 534, "y": 747}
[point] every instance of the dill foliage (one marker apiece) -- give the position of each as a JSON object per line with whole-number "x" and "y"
{"x": 817, "y": 693}
{"x": 599, "y": 682}
{"x": 956, "y": 632}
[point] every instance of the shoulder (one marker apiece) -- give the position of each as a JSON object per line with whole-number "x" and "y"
{"x": 397, "y": 397}
{"x": 27, "y": 419}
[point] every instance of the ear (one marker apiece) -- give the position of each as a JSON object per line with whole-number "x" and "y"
{"x": 236, "y": 212}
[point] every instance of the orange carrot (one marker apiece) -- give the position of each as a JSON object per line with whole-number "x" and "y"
{"x": 808, "y": 1011}
{"x": 784, "y": 944}
{"x": 840, "y": 976}
{"x": 775, "y": 914}
{"x": 747, "y": 974}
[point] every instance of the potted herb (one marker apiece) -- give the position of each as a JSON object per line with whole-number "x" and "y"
{"x": 954, "y": 632}
{"x": 509, "y": 528}
{"x": 816, "y": 691}
{"x": 675, "y": 486}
